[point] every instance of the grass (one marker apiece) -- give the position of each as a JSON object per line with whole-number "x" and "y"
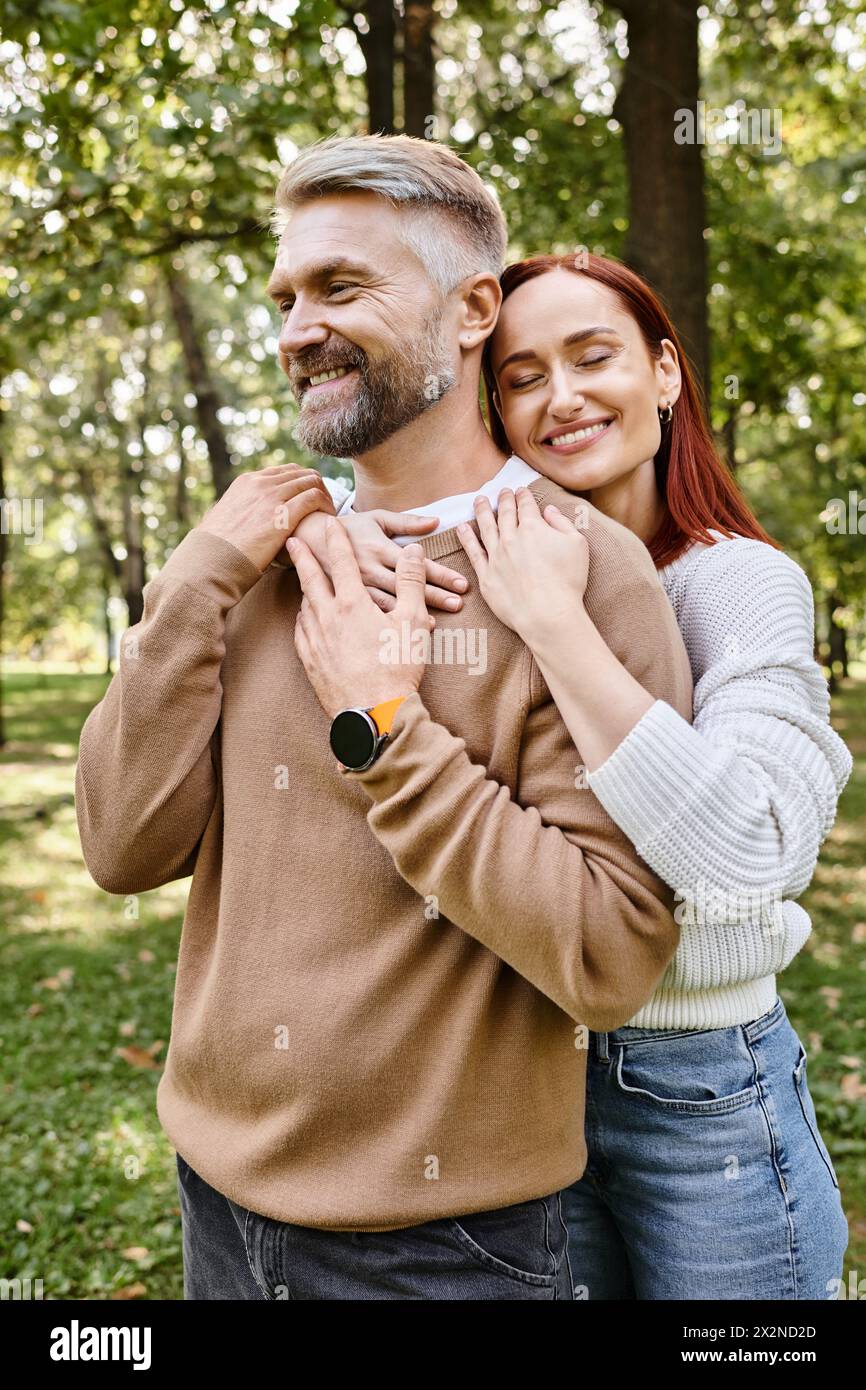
{"x": 89, "y": 1197}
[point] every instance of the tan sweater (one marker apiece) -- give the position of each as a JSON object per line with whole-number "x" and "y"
{"x": 340, "y": 1055}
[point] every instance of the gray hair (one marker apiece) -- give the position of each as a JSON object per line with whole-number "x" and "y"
{"x": 424, "y": 179}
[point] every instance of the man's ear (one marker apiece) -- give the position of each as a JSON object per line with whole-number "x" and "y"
{"x": 481, "y": 301}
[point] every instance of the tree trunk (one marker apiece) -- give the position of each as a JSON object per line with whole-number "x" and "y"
{"x": 200, "y": 381}
{"x": 729, "y": 438}
{"x": 106, "y": 610}
{"x": 181, "y": 494}
{"x": 2, "y": 587}
{"x": 838, "y": 639}
{"x": 665, "y": 241}
{"x": 418, "y": 68}
{"x": 133, "y": 566}
{"x": 377, "y": 46}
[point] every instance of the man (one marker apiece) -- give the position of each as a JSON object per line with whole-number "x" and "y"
{"x": 388, "y": 964}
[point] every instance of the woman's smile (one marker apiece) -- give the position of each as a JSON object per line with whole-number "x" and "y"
{"x": 575, "y": 438}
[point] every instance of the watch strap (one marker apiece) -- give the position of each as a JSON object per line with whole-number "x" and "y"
{"x": 383, "y": 715}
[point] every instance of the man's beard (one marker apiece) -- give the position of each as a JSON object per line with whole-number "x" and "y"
{"x": 389, "y": 393}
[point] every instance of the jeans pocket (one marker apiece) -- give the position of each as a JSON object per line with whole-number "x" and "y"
{"x": 710, "y": 1072}
{"x": 526, "y": 1241}
{"x": 808, "y": 1108}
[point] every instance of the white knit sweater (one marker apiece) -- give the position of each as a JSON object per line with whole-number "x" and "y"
{"x": 731, "y": 811}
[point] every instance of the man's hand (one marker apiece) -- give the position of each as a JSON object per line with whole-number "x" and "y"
{"x": 352, "y": 652}
{"x": 260, "y": 509}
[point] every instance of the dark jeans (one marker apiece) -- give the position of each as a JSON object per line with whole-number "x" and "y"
{"x": 231, "y": 1253}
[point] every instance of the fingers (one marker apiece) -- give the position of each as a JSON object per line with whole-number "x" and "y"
{"x": 345, "y": 574}
{"x": 446, "y": 578}
{"x": 404, "y": 523}
{"x": 434, "y": 597}
{"x": 486, "y": 523}
{"x": 474, "y": 549}
{"x": 313, "y": 579}
{"x": 384, "y": 581}
{"x": 295, "y": 498}
{"x": 275, "y": 468}
{"x": 411, "y": 574}
{"x": 382, "y": 599}
{"x": 555, "y": 518}
{"x": 506, "y": 514}
{"x": 292, "y": 486}
{"x": 289, "y": 514}
{"x": 381, "y": 577}
{"x": 527, "y": 507}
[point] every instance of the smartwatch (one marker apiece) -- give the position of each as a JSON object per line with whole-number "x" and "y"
{"x": 357, "y": 735}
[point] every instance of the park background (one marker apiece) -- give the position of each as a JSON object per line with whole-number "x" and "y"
{"x": 141, "y": 146}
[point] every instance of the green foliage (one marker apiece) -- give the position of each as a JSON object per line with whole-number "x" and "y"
{"x": 150, "y": 138}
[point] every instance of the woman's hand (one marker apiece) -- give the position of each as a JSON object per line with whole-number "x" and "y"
{"x": 377, "y": 555}
{"x": 532, "y": 569}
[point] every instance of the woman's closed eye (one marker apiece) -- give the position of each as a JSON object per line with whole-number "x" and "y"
{"x": 586, "y": 362}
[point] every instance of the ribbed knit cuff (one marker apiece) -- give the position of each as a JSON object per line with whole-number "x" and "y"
{"x": 660, "y": 765}
{"x": 212, "y": 566}
{"x": 416, "y": 746}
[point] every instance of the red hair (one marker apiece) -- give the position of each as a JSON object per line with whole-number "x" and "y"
{"x": 697, "y": 488}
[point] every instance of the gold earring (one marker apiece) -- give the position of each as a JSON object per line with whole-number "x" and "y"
{"x": 666, "y": 419}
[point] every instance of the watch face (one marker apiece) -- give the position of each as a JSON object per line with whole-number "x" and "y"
{"x": 353, "y": 739}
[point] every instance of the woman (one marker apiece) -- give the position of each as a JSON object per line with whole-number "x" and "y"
{"x": 707, "y": 1176}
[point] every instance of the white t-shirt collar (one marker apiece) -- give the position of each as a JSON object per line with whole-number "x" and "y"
{"x": 514, "y": 473}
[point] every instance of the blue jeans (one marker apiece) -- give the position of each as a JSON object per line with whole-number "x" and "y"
{"x": 508, "y": 1253}
{"x": 707, "y": 1176}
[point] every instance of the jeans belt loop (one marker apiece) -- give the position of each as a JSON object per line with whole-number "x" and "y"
{"x": 601, "y": 1044}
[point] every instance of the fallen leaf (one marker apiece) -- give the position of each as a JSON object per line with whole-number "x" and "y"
{"x": 131, "y": 1291}
{"x": 135, "y": 1252}
{"x": 146, "y": 955}
{"x": 23, "y": 1226}
{"x": 137, "y": 1057}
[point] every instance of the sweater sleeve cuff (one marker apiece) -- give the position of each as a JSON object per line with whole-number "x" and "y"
{"x": 415, "y": 755}
{"x": 212, "y": 566}
{"x": 660, "y": 765}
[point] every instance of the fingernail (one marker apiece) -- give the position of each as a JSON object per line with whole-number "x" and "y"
{"x": 291, "y": 546}
{"x": 453, "y": 602}
{"x": 461, "y": 584}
